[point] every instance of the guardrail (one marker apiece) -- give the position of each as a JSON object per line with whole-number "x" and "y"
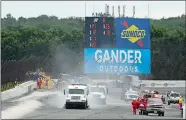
{"x": 160, "y": 83}
{"x": 18, "y": 91}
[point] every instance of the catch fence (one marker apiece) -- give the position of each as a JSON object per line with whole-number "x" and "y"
{"x": 22, "y": 70}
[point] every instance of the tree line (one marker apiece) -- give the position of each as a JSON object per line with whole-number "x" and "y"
{"x": 61, "y": 41}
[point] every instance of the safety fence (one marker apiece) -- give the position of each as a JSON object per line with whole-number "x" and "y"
{"x": 14, "y": 72}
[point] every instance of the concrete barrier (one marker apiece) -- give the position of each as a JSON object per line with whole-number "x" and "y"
{"x": 164, "y": 83}
{"x": 164, "y": 90}
{"x": 18, "y": 91}
{"x": 159, "y": 83}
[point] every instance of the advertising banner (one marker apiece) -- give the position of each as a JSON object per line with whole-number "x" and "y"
{"x": 133, "y": 33}
{"x": 114, "y": 60}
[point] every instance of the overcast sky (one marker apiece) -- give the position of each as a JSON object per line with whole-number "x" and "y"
{"x": 61, "y": 9}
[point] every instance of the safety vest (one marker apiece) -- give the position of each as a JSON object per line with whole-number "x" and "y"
{"x": 181, "y": 100}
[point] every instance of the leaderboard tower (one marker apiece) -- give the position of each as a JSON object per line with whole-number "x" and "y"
{"x": 117, "y": 45}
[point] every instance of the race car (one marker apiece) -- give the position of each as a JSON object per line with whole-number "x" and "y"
{"x": 173, "y": 97}
{"x": 97, "y": 95}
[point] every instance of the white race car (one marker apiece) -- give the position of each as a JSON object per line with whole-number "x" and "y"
{"x": 97, "y": 95}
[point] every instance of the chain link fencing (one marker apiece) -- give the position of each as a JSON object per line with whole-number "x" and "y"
{"x": 14, "y": 72}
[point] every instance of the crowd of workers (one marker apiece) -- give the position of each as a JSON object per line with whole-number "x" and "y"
{"x": 44, "y": 81}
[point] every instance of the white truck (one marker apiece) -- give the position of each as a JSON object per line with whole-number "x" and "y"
{"x": 97, "y": 95}
{"x": 76, "y": 95}
{"x": 104, "y": 87}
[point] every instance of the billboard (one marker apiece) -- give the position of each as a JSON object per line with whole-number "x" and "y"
{"x": 133, "y": 33}
{"x": 117, "y": 60}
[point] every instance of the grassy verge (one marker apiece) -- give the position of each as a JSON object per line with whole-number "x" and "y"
{"x": 10, "y": 85}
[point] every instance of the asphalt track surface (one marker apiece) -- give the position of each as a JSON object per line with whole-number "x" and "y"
{"x": 53, "y": 108}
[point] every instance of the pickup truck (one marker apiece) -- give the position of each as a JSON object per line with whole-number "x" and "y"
{"x": 152, "y": 105}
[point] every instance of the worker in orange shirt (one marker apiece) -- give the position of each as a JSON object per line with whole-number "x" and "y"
{"x": 134, "y": 106}
{"x": 39, "y": 83}
{"x": 180, "y": 101}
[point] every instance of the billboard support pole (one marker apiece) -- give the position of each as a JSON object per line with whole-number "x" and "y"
{"x": 112, "y": 11}
{"x": 133, "y": 11}
{"x": 105, "y": 10}
{"x": 119, "y": 10}
{"x": 124, "y": 6}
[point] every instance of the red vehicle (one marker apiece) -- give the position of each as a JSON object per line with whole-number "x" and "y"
{"x": 142, "y": 102}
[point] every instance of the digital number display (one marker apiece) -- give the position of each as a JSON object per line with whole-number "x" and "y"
{"x": 99, "y": 32}
{"x": 107, "y": 40}
{"x": 92, "y": 32}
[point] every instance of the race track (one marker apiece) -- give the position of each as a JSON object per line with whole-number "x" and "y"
{"x": 50, "y": 105}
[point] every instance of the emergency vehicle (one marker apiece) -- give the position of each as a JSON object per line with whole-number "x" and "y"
{"x": 150, "y": 105}
{"x": 76, "y": 95}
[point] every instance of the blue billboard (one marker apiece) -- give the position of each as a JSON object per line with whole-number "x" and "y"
{"x": 116, "y": 60}
{"x": 133, "y": 33}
